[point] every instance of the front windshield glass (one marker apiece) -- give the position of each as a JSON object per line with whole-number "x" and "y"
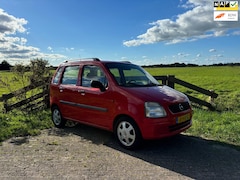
{"x": 130, "y": 75}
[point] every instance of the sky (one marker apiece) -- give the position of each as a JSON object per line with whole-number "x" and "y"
{"x": 145, "y": 32}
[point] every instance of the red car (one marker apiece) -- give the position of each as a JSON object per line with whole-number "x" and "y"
{"x": 120, "y": 97}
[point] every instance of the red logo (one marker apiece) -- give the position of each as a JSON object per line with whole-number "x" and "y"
{"x": 219, "y": 16}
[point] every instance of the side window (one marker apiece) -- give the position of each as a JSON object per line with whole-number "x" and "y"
{"x": 90, "y": 73}
{"x": 70, "y": 75}
{"x": 58, "y": 75}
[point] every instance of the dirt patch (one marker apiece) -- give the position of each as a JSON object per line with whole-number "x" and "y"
{"x": 83, "y": 152}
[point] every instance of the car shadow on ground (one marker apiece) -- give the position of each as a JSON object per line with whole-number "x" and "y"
{"x": 193, "y": 157}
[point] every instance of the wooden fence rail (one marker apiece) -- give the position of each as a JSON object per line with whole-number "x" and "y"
{"x": 39, "y": 99}
{"x": 170, "y": 81}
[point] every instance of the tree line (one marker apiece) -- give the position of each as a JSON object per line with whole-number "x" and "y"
{"x": 7, "y": 66}
{"x": 190, "y": 65}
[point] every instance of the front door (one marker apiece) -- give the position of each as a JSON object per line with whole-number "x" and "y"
{"x": 96, "y": 106}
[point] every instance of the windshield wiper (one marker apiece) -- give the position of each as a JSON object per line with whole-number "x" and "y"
{"x": 132, "y": 84}
{"x": 151, "y": 84}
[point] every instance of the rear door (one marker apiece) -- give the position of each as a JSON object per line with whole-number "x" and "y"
{"x": 68, "y": 90}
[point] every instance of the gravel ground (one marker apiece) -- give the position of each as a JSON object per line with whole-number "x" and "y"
{"x": 84, "y": 152}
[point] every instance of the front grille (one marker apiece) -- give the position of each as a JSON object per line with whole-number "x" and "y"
{"x": 175, "y": 108}
{"x": 179, "y": 126}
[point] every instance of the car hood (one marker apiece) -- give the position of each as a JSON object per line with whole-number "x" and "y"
{"x": 158, "y": 93}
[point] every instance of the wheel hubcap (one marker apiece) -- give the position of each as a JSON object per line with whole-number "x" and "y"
{"x": 126, "y": 133}
{"x": 56, "y": 117}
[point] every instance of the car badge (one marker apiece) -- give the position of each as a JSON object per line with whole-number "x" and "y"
{"x": 181, "y": 107}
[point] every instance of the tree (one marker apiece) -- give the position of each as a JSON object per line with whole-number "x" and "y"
{"x": 5, "y": 65}
{"x": 38, "y": 71}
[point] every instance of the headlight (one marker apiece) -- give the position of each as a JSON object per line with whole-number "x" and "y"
{"x": 154, "y": 110}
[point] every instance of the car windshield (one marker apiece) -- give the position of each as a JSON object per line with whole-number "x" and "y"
{"x": 130, "y": 75}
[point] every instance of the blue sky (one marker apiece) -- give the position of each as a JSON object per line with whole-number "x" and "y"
{"x": 143, "y": 31}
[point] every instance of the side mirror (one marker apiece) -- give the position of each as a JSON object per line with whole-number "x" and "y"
{"x": 98, "y": 84}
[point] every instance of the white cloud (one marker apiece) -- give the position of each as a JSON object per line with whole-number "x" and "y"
{"x": 69, "y": 49}
{"x": 212, "y": 50}
{"x": 11, "y": 24}
{"x": 196, "y": 23}
{"x": 123, "y": 58}
{"x": 13, "y": 48}
{"x": 183, "y": 54}
{"x": 218, "y": 55}
{"x": 237, "y": 33}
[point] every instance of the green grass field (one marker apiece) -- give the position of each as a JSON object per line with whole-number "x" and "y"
{"x": 221, "y": 79}
{"x": 12, "y": 79}
{"x": 222, "y": 125}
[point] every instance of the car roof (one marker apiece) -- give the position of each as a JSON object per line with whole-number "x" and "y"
{"x": 90, "y": 60}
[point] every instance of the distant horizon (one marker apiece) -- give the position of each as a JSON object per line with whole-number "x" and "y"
{"x": 176, "y": 64}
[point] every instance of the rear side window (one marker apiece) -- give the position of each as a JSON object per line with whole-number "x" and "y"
{"x": 58, "y": 75}
{"x": 70, "y": 75}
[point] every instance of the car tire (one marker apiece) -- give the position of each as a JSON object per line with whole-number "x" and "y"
{"x": 57, "y": 118}
{"x": 127, "y": 133}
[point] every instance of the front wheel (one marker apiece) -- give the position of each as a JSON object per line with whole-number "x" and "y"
{"x": 127, "y": 133}
{"x": 57, "y": 118}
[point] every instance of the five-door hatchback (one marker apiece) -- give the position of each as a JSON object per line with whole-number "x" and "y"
{"x": 120, "y": 97}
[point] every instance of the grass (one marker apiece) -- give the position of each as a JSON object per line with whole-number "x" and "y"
{"x": 222, "y": 125}
{"x": 219, "y": 79}
{"x": 12, "y": 79}
{"x": 17, "y": 123}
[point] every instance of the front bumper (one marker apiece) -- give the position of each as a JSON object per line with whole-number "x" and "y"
{"x": 165, "y": 127}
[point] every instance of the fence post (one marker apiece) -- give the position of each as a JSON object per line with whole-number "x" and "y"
{"x": 47, "y": 96}
{"x": 211, "y": 98}
{"x": 5, "y": 105}
{"x": 169, "y": 82}
{"x": 164, "y": 81}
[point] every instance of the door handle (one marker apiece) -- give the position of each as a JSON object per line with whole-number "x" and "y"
{"x": 81, "y": 91}
{"x": 61, "y": 89}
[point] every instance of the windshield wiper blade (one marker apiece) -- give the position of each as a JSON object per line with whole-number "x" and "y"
{"x": 151, "y": 84}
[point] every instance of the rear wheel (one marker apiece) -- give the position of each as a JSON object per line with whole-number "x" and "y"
{"x": 57, "y": 118}
{"x": 127, "y": 133}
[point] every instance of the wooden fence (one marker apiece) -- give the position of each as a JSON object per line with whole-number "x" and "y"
{"x": 41, "y": 98}
{"x": 171, "y": 80}
{"x": 29, "y": 98}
